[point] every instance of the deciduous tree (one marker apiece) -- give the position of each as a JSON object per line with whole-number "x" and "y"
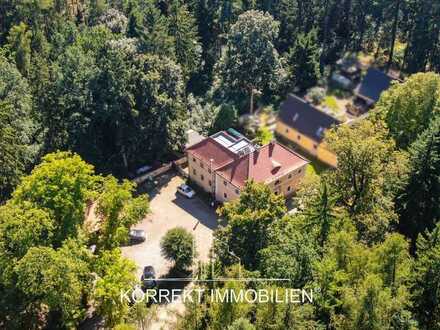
{"x": 251, "y": 62}
{"x": 178, "y": 245}
{"x": 369, "y": 174}
{"x": 408, "y": 107}
{"x": 62, "y": 184}
{"x": 247, "y": 221}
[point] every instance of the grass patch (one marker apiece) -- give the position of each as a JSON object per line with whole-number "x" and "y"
{"x": 331, "y": 103}
{"x": 315, "y": 167}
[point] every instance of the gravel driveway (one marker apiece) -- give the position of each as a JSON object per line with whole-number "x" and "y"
{"x": 170, "y": 210}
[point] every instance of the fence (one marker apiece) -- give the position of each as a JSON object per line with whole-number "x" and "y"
{"x": 177, "y": 165}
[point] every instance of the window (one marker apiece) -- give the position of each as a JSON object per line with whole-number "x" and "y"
{"x": 299, "y": 171}
{"x": 225, "y": 195}
{"x": 277, "y": 182}
{"x": 202, "y": 177}
{"x": 298, "y": 137}
{"x": 288, "y": 188}
{"x": 237, "y": 191}
{"x": 210, "y": 183}
{"x": 289, "y": 176}
{"x": 194, "y": 160}
{"x": 225, "y": 183}
{"x": 194, "y": 172}
{"x": 201, "y": 165}
{"x": 209, "y": 171}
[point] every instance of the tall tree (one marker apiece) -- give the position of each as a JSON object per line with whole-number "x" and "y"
{"x": 303, "y": 61}
{"x": 424, "y": 35}
{"x": 17, "y": 127}
{"x": 66, "y": 205}
{"x": 370, "y": 172}
{"x": 251, "y": 63}
{"x": 248, "y": 219}
{"x": 289, "y": 253}
{"x": 19, "y": 41}
{"x": 154, "y": 32}
{"x": 427, "y": 282}
{"x": 182, "y": 26}
{"x": 22, "y": 226}
{"x": 118, "y": 211}
{"x": 322, "y": 213}
{"x": 419, "y": 201}
{"x": 408, "y": 107}
{"x": 115, "y": 274}
{"x": 46, "y": 275}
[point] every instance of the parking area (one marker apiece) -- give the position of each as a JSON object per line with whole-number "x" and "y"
{"x": 170, "y": 210}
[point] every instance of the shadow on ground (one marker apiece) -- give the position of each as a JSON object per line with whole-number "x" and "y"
{"x": 174, "y": 280}
{"x": 154, "y": 187}
{"x": 198, "y": 210}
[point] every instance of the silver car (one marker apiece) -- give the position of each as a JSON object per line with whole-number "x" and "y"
{"x": 137, "y": 235}
{"x": 186, "y": 190}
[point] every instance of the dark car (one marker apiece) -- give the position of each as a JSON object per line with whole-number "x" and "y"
{"x": 148, "y": 278}
{"x": 137, "y": 235}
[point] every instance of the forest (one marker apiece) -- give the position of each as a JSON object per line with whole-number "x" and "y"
{"x": 90, "y": 90}
{"x": 109, "y": 79}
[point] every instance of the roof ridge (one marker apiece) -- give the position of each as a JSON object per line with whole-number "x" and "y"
{"x": 308, "y": 104}
{"x": 291, "y": 150}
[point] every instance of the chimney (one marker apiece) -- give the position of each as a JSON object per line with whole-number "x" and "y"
{"x": 271, "y": 147}
{"x": 256, "y": 154}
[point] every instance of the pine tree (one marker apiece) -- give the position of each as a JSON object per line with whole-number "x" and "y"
{"x": 303, "y": 61}
{"x": 153, "y": 35}
{"x": 182, "y": 26}
{"x": 419, "y": 204}
{"x": 322, "y": 213}
{"x": 427, "y": 280}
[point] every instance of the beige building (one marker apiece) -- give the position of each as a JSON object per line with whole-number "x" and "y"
{"x": 222, "y": 163}
{"x": 304, "y": 125}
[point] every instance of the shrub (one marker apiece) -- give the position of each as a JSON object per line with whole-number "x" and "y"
{"x": 316, "y": 94}
{"x": 177, "y": 246}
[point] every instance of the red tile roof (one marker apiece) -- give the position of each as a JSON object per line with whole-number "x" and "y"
{"x": 270, "y": 161}
{"x": 209, "y": 149}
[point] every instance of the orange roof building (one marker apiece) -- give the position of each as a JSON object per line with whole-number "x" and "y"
{"x": 222, "y": 164}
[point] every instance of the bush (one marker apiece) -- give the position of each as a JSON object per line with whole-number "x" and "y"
{"x": 177, "y": 246}
{"x": 264, "y": 136}
{"x": 316, "y": 94}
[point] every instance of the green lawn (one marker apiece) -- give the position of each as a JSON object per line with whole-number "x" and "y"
{"x": 315, "y": 167}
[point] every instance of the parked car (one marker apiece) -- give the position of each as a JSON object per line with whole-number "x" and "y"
{"x": 148, "y": 278}
{"x": 137, "y": 235}
{"x": 186, "y": 190}
{"x": 341, "y": 81}
{"x": 143, "y": 169}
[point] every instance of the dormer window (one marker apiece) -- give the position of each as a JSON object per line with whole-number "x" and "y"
{"x": 275, "y": 165}
{"x": 320, "y": 131}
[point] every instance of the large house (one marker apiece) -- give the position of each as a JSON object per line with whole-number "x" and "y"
{"x": 301, "y": 123}
{"x": 222, "y": 164}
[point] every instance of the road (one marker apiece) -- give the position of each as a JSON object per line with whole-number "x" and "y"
{"x": 170, "y": 210}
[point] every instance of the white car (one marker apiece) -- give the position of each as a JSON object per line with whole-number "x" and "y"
{"x": 185, "y": 190}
